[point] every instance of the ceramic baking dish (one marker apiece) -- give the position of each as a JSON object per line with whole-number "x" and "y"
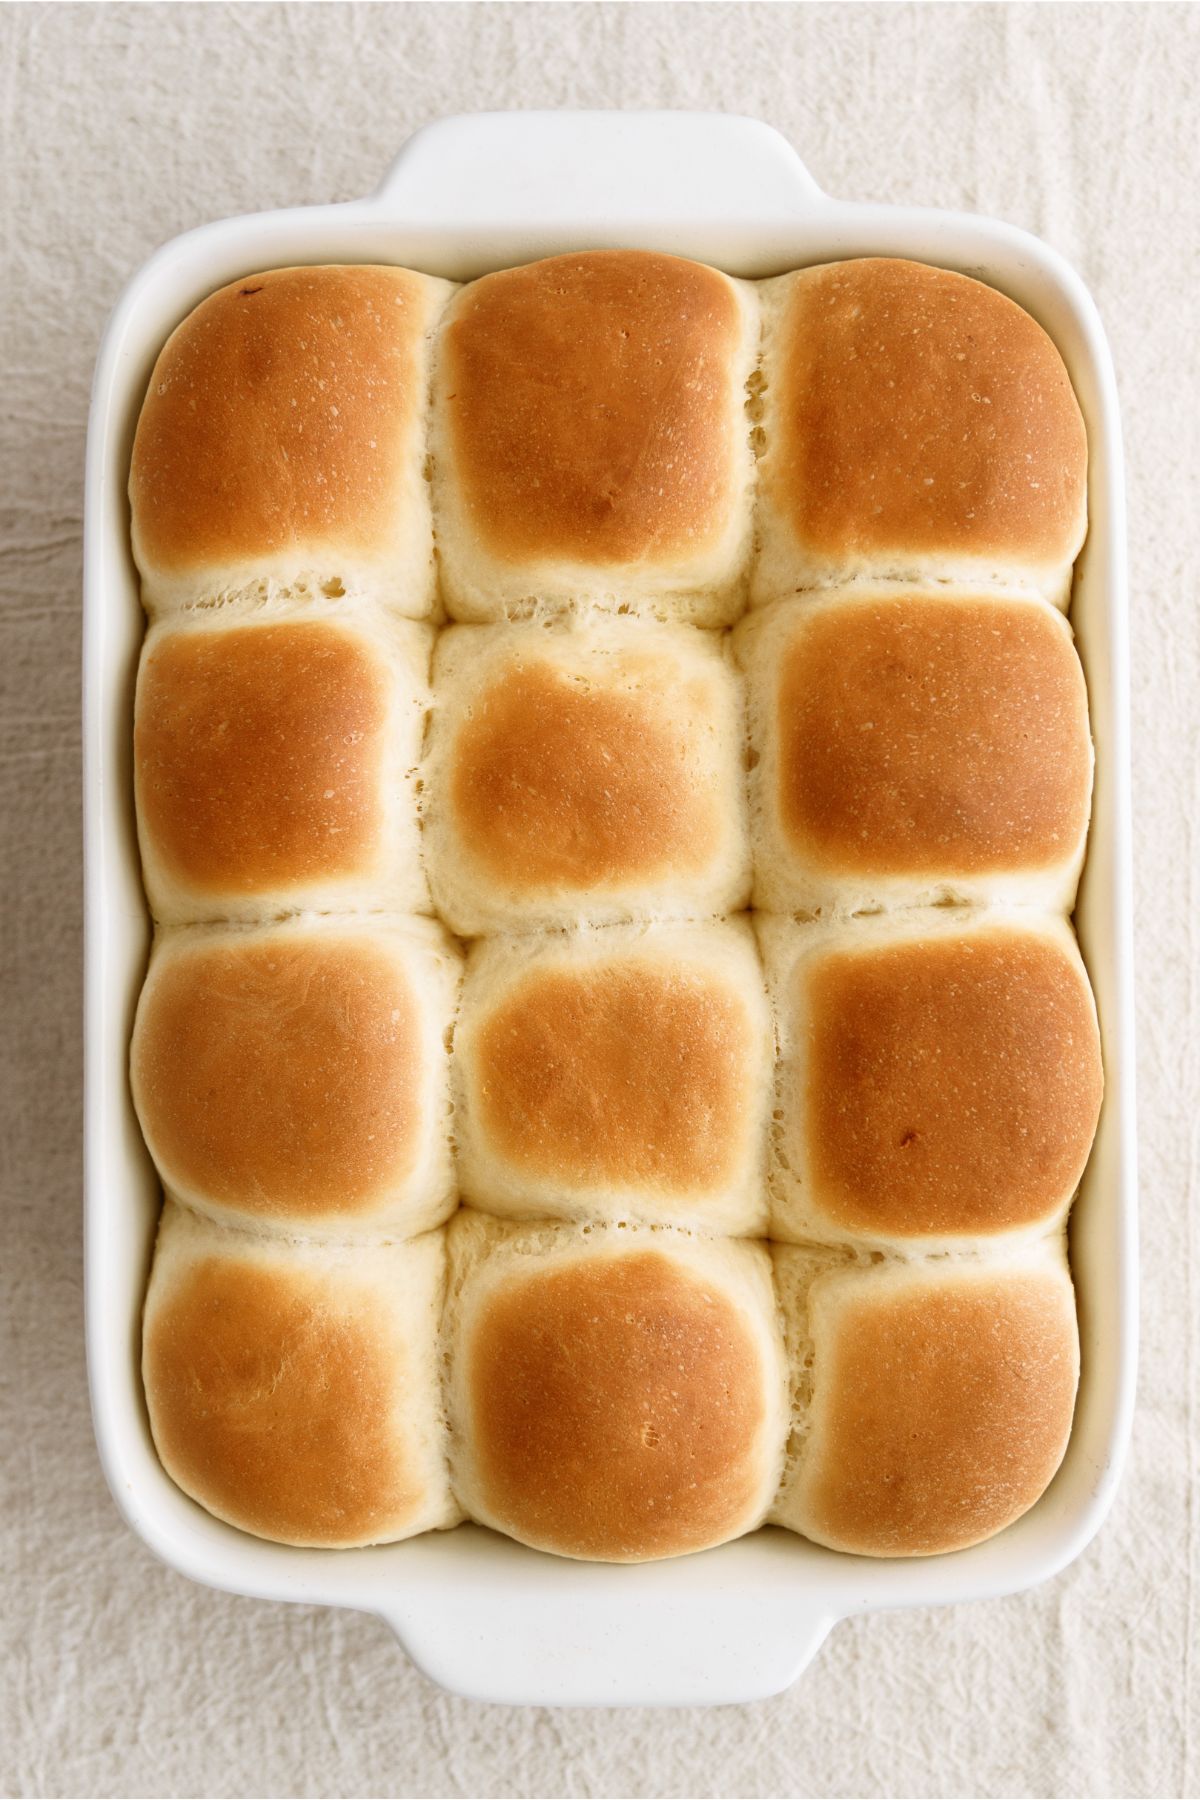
{"x": 484, "y": 1616}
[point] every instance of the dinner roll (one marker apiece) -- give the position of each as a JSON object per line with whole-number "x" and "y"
{"x": 932, "y": 1402}
{"x": 913, "y": 746}
{"x": 915, "y": 422}
{"x": 617, "y": 1073}
{"x": 590, "y": 771}
{"x": 274, "y": 763}
{"x": 282, "y": 442}
{"x": 615, "y": 1394}
{"x": 590, "y": 440}
{"x": 293, "y": 1387}
{"x": 939, "y": 1078}
{"x": 296, "y": 1073}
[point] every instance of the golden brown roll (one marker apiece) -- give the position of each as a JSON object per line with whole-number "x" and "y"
{"x": 916, "y": 423}
{"x": 295, "y": 1074}
{"x": 892, "y": 1070}
{"x": 590, "y": 439}
{"x": 912, "y": 746}
{"x": 275, "y": 763}
{"x": 932, "y": 1402}
{"x": 282, "y": 442}
{"x": 615, "y": 1394}
{"x": 293, "y": 1387}
{"x": 939, "y": 1077}
{"x": 584, "y": 772}
{"x": 617, "y": 1073}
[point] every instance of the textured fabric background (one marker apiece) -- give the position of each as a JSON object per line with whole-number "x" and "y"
{"x": 124, "y": 125}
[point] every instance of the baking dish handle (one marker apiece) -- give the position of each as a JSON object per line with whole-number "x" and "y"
{"x": 598, "y": 176}
{"x": 517, "y": 1628}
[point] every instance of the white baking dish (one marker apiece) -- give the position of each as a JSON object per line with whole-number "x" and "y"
{"x": 483, "y": 1616}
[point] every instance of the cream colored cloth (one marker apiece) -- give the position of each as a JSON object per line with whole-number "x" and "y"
{"x": 125, "y": 125}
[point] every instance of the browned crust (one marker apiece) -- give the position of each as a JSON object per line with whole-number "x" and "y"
{"x": 587, "y": 401}
{"x": 617, "y": 1407}
{"x": 622, "y": 1073}
{"x": 283, "y": 1076}
{"x": 943, "y": 1413}
{"x": 920, "y": 411}
{"x": 932, "y": 736}
{"x": 953, "y": 1084}
{"x": 273, "y": 1406}
{"x": 279, "y": 414}
{"x": 561, "y": 783}
{"x": 258, "y": 754}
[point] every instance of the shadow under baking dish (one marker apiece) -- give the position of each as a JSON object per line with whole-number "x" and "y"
{"x": 484, "y": 1616}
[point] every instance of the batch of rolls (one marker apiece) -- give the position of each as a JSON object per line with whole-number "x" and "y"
{"x": 612, "y": 775}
